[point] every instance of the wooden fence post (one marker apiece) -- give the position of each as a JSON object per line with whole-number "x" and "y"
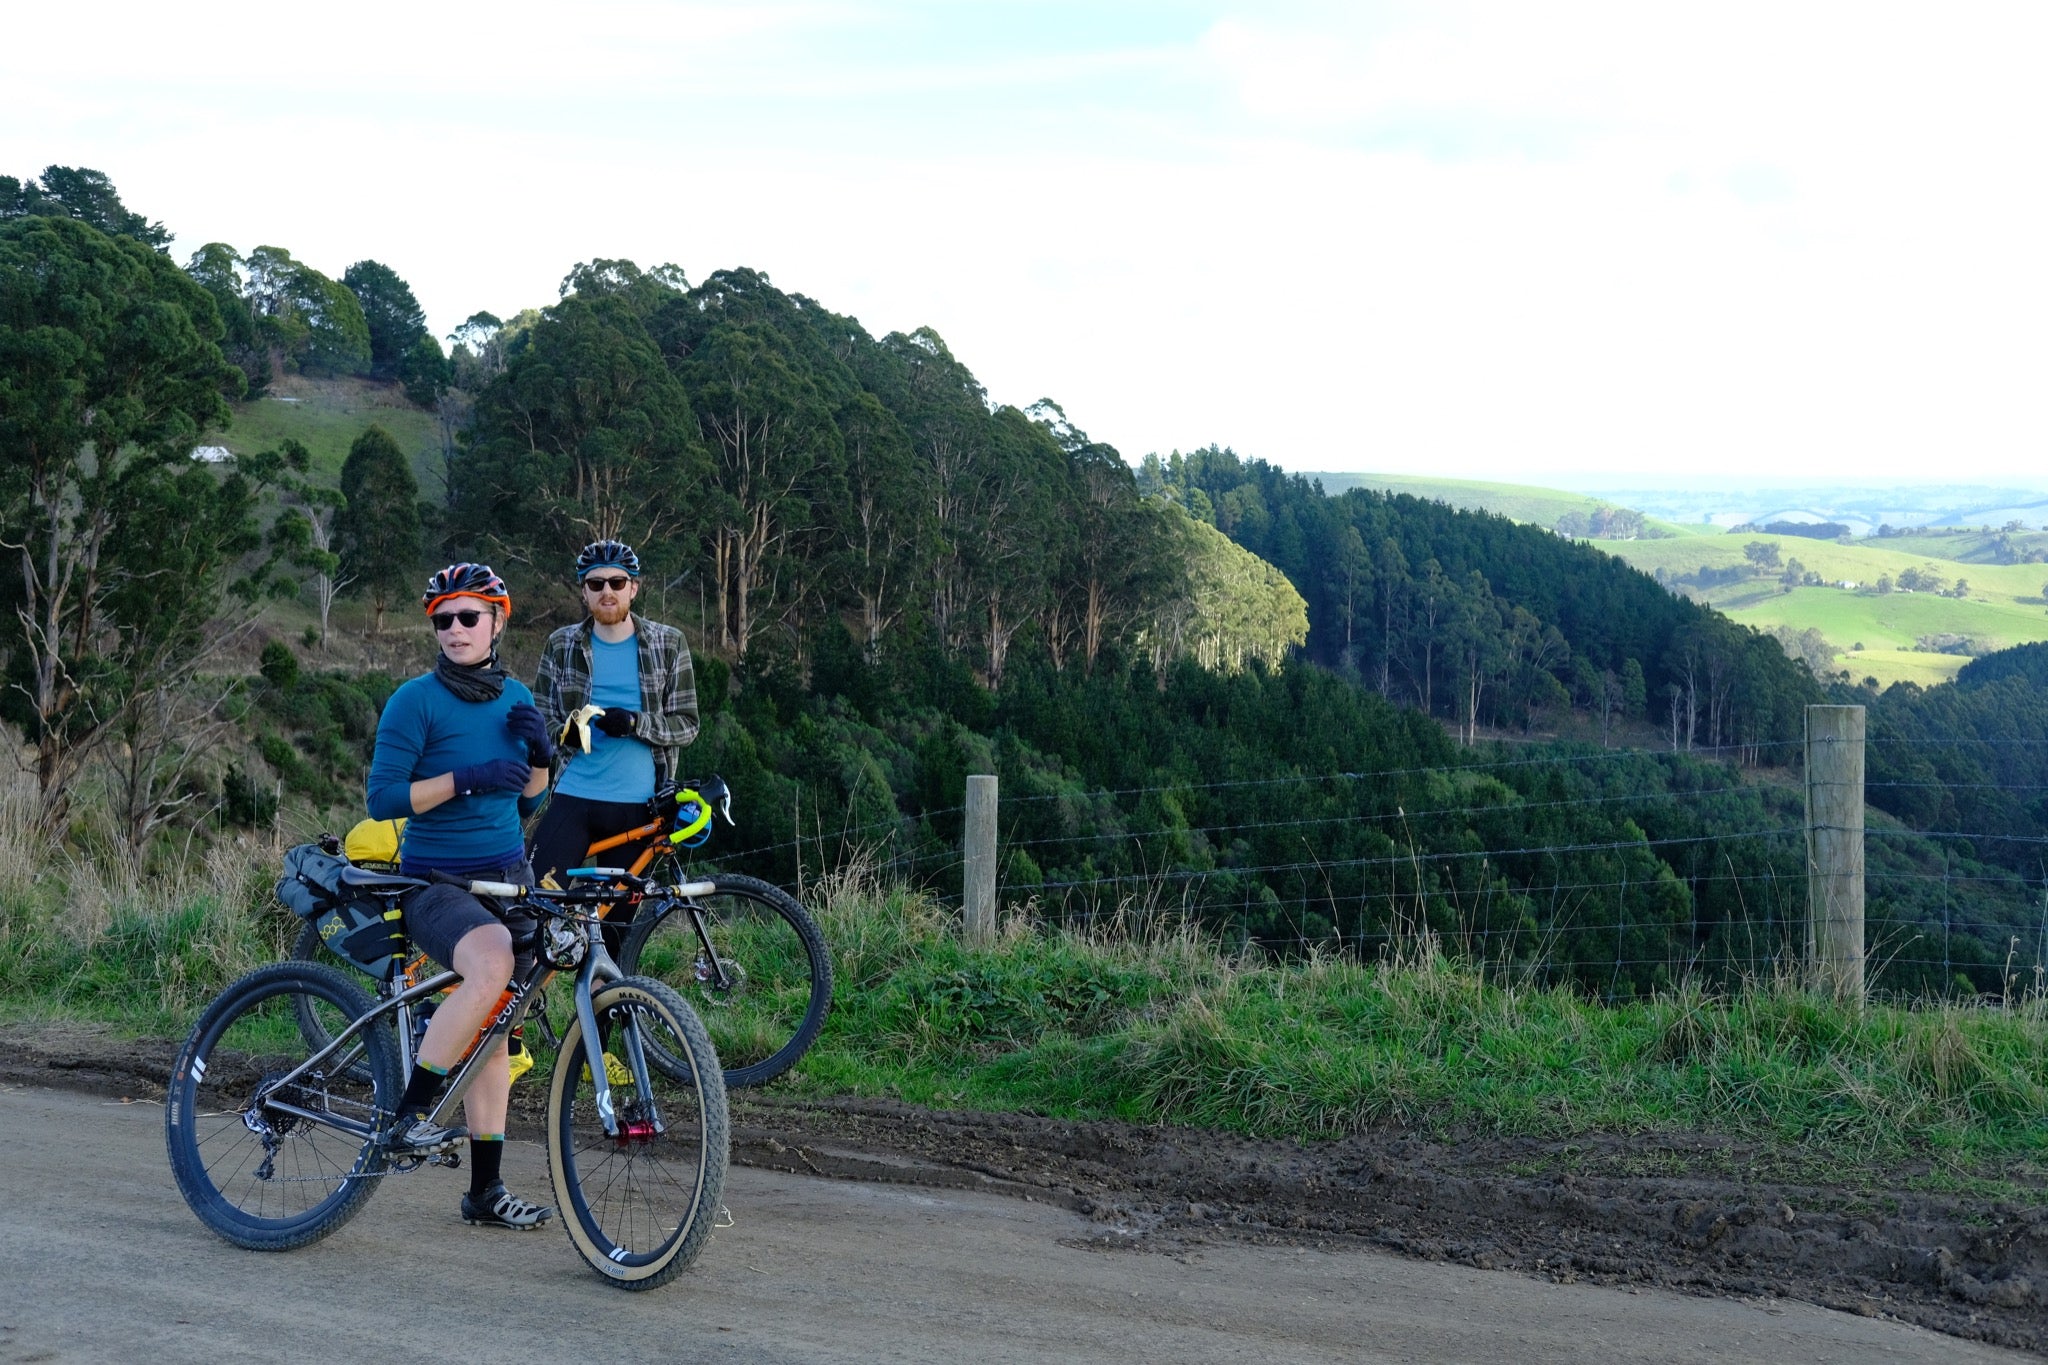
{"x": 1834, "y": 850}
{"x": 978, "y": 902}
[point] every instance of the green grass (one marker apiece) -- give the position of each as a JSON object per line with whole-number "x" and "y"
{"x": 1163, "y": 1028}
{"x": 78, "y": 940}
{"x": 1896, "y": 620}
{"x": 1890, "y": 666}
{"x": 327, "y": 415}
{"x": 1169, "y": 1031}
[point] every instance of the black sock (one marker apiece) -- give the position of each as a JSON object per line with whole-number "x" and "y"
{"x": 422, "y": 1089}
{"x": 486, "y": 1163}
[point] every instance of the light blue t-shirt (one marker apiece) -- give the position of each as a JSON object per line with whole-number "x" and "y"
{"x": 614, "y": 769}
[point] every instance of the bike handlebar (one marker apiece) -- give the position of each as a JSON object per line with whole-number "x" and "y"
{"x": 513, "y": 891}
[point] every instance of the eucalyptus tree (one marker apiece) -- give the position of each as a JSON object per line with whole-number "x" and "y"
{"x": 774, "y": 452}
{"x": 222, "y": 273}
{"x": 391, "y": 314}
{"x": 884, "y": 524}
{"x": 1118, "y": 552}
{"x": 586, "y": 435}
{"x": 945, "y": 411}
{"x": 123, "y": 548}
{"x": 313, "y": 323}
{"x": 84, "y": 194}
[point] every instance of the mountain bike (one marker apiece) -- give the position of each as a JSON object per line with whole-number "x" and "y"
{"x": 274, "y": 1140}
{"x": 744, "y": 951}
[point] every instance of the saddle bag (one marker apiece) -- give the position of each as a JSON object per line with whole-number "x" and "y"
{"x": 364, "y": 930}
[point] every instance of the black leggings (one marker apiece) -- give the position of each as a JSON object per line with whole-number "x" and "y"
{"x": 570, "y": 825}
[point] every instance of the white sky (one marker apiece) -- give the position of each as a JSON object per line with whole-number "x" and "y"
{"x": 1494, "y": 241}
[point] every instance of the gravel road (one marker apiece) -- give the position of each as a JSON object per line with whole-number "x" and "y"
{"x": 102, "y": 1261}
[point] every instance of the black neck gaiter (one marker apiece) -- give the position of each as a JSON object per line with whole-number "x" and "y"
{"x": 471, "y": 682}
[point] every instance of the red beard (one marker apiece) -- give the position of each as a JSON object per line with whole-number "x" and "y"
{"x": 610, "y": 615}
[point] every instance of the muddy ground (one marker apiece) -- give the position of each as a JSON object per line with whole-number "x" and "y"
{"x": 1699, "y": 1214}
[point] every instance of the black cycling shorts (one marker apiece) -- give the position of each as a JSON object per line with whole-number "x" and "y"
{"x": 438, "y": 915}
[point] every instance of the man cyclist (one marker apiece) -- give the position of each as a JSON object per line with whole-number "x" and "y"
{"x": 462, "y": 754}
{"x": 640, "y": 672}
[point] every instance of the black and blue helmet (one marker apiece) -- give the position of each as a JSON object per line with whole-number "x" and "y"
{"x": 605, "y": 554}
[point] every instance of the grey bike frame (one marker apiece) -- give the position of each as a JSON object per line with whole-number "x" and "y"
{"x": 595, "y": 962}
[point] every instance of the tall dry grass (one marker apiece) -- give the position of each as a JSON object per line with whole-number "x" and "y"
{"x": 84, "y": 930}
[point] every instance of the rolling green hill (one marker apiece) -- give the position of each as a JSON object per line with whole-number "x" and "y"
{"x": 327, "y": 415}
{"x": 2004, "y": 606}
{"x": 1517, "y": 502}
{"x": 1971, "y": 546}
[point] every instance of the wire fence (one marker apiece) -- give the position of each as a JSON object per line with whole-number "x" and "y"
{"x": 1566, "y": 869}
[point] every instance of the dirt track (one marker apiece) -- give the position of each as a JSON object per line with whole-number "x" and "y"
{"x": 1695, "y": 1216}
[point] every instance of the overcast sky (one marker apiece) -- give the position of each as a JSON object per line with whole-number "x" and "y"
{"x": 1495, "y": 241}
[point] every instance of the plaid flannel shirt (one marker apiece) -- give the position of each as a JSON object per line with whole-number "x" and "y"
{"x": 668, "y": 687}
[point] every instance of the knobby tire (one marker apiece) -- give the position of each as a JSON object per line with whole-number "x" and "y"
{"x": 271, "y": 1167}
{"x": 639, "y": 1205}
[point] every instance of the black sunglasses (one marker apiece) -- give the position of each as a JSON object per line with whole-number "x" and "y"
{"x": 469, "y": 616}
{"x": 617, "y": 584}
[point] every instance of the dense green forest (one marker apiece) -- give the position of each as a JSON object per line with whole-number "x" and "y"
{"x": 1210, "y": 691}
{"x": 1483, "y": 620}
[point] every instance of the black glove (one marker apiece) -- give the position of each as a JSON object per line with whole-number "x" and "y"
{"x": 616, "y": 721}
{"x": 498, "y": 775}
{"x": 525, "y": 722}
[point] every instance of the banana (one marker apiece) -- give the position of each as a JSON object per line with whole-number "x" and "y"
{"x": 577, "y": 728}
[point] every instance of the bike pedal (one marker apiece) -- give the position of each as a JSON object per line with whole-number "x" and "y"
{"x": 452, "y": 1160}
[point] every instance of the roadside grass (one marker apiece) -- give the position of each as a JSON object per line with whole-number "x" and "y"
{"x": 1160, "y": 1027}
{"x": 1146, "y": 1021}
{"x": 83, "y": 937}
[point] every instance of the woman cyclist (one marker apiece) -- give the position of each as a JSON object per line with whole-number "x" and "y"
{"x": 463, "y": 754}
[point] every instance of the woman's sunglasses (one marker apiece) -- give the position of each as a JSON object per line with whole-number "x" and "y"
{"x": 617, "y": 584}
{"x": 444, "y": 619}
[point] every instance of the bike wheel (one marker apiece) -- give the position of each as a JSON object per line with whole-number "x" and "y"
{"x": 753, "y": 962}
{"x": 266, "y": 1163}
{"x": 639, "y": 1204}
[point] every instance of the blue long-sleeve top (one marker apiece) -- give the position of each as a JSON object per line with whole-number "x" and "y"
{"x": 425, "y": 731}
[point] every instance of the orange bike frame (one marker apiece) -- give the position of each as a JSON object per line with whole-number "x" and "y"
{"x": 640, "y": 864}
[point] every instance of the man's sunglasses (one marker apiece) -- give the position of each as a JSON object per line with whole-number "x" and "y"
{"x": 469, "y": 616}
{"x": 617, "y": 584}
